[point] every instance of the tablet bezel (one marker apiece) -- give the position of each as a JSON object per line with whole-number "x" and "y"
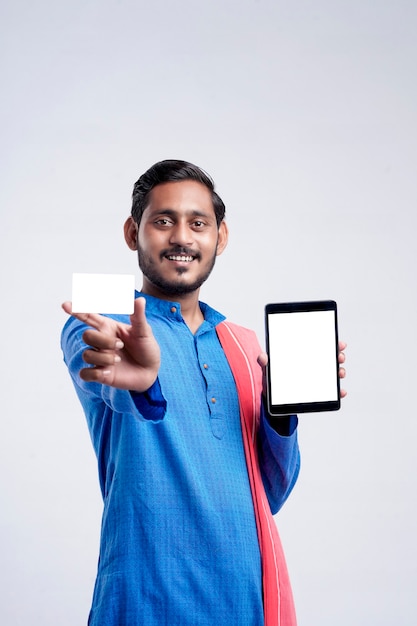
{"x": 302, "y": 407}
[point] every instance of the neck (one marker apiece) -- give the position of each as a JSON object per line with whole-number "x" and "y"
{"x": 190, "y": 307}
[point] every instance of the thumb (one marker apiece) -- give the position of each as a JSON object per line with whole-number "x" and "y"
{"x": 138, "y": 321}
{"x": 262, "y": 359}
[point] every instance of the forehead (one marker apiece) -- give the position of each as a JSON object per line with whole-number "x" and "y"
{"x": 184, "y": 196}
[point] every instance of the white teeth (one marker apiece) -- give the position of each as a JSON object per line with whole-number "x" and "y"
{"x": 181, "y": 258}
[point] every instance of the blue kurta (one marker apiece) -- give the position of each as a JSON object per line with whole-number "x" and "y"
{"x": 179, "y": 542}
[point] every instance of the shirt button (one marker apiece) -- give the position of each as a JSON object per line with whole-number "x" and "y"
{"x": 205, "y": 366}
{"x": 173, "y": 309}
{"x": 213, "y": 400}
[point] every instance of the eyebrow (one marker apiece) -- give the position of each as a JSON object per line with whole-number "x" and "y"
{"x": 191, "y": 213}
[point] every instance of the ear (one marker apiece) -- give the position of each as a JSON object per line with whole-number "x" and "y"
{"x": 131, "y": 233}
{"x": 223, "y": 237}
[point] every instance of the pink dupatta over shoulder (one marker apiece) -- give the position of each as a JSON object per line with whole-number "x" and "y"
{"x": 242, "y": 349}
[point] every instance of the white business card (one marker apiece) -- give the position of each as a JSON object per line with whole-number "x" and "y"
{"x": 103, "y": 293}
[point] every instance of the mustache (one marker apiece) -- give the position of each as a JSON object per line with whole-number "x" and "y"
{"x": 178, "y": 250}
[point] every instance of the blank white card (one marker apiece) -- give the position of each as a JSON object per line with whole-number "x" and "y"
{"x": 103, "y": 293}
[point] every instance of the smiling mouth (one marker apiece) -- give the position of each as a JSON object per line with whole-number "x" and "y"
{"x": 183, "y": 258}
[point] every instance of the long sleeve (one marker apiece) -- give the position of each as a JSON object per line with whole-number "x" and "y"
{"x": 149, "y": 406}
{"x": 279, "y": 460}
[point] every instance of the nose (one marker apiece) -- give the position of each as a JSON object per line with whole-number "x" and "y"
{"x": 181, "y": 234}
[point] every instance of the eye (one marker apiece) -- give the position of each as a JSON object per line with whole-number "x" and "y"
{"x": 198, "y": 224}
{"x": 163, "y": 221}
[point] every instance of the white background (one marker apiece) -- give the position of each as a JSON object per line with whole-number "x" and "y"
{"x": 305, "y": 114}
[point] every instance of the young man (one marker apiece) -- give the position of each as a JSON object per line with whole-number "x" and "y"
{"x": 191, "y": 468}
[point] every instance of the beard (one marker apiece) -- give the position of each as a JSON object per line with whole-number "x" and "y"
{"x": 171, "y": 287}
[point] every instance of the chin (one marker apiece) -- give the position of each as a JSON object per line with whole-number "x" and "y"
{"x": 179, "y": 289}
{"x": 180, "y": 284}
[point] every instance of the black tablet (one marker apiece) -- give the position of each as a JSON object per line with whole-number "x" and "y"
{"x": 302, "y": 347}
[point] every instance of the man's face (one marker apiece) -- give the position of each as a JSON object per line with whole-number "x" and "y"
{"x": 178, "y": 239}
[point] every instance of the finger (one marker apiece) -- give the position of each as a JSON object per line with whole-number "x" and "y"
{"x": 91, "y": 319}
{"x": 100, "y": 358}
{"x": 342, "y": 346}
{"x": 262, "y": 359}
{"x": 139, "y": 323}
{"x": 341, "y": 357}
{"x": 67, "y": 306}
{"x": 97, "y": 375}
{"x": 343, "y": 393}
{"x": 263, "y": 362}
{"x": 101, "y": 340}
{"x": 342, "y": 372}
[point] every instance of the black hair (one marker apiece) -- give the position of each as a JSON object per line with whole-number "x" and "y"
{"x": 169, "y": 171}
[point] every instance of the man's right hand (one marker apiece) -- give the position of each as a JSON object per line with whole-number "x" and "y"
{"x": 120, "y": 355}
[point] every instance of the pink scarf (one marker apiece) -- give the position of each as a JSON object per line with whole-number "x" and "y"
{"x": 242, "y": 349}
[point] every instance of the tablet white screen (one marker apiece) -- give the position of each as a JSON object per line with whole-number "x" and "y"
{"x": 302, "y": 353}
